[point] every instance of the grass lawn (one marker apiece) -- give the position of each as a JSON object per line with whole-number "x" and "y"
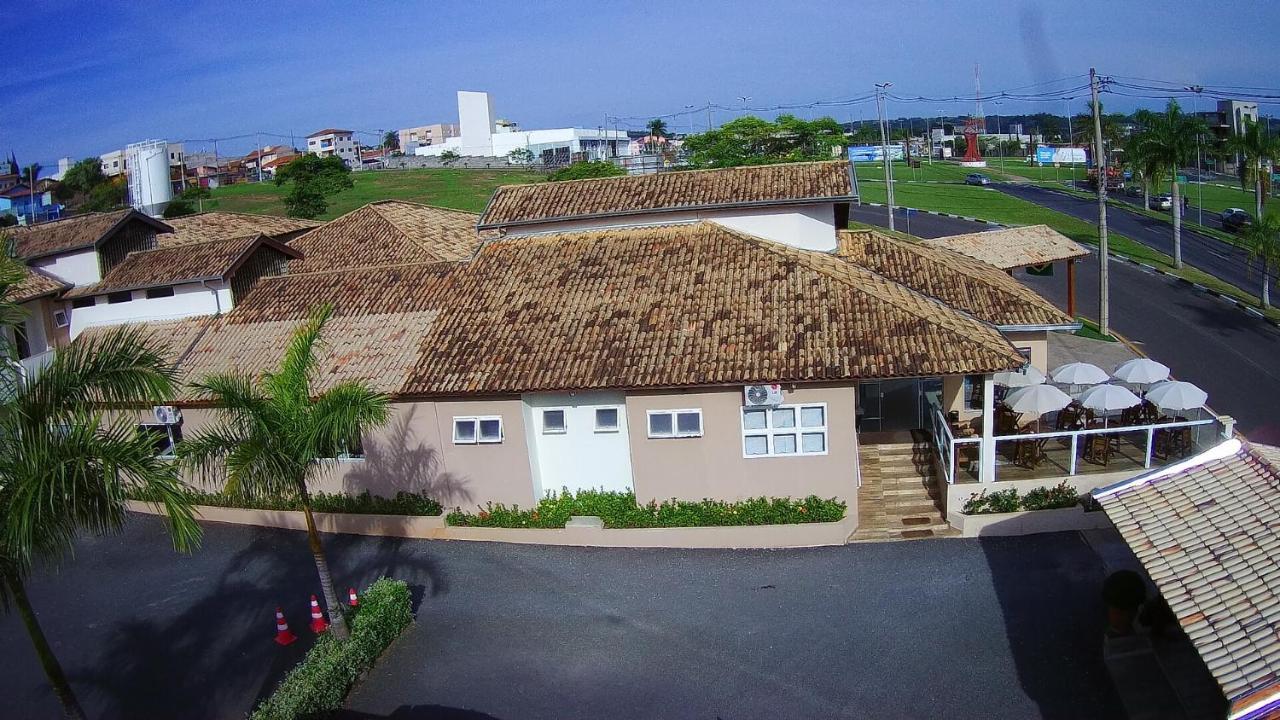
{"x": 1089, "y": 329}
{"x": 459, "y": 188}
{"x": 950, "y": 171}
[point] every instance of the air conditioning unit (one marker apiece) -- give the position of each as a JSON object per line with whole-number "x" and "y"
{"x": 167, "y": 414}
{"x": 762, "y": 395}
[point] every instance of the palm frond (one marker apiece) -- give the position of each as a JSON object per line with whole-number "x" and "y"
{"x": 122, "y": 366}
{"x": 293, "y": 380}
{"x": 342, "y": 414}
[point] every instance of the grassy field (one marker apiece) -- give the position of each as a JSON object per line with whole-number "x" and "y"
{"x": 452, "y": 188}
{"x": 1013, "y": 169}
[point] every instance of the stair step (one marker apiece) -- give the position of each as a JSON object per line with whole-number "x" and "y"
{"x": 922, "y": 508}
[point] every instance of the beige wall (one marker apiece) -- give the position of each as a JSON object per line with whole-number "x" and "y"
{"x": 1038, "y": 341}
{"x": 414, "y": 452}
{"x": 713, "y": 465}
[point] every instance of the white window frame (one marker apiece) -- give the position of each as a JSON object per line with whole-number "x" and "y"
{"x": 173, "y": 441}
{"x": 675, "y": 426}
{"x": 617, "y": 425}
{"x": 475, "y": 421}
{"x": 542, "y": 420}
{"x": 769, "y": 431}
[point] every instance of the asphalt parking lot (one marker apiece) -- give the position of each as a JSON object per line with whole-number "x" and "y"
{"x": 993, "y": 628}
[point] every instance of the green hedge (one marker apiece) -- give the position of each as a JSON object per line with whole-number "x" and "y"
{"x": 404, "y": 503}
{"x": 1005, "y": 501}
{"x": 317, "y": 685}
{"x": 619, "y": 510}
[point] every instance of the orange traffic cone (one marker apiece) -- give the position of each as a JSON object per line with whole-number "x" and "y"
{"x": 352, "y": 600}
{"x": 283, "y": 635}
{"x": 318, "y": 623}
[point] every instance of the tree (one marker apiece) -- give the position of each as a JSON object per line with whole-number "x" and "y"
{"x": 273, "y": 432}
{"x": 1167, "y": 140}
{"x": 1262, "y": 240}
{"x": 67, "y": 467}
{"x": 391, "y": 140}
{"x": 108, "y": 195}
{"x": 751, "y": 140}
{"x": 188, "y": 203}
{"x": 520, "y": 156}
{"x": 80, "y": 179}
{"x": 657, "y": 127}
{"x": 449, "y": 157}
{"x": 314, "y": 178}
{"x": 583, "y": 170}
{"x": 32, "y": 171}
{"x": 1259, "y": 149}
{"x": 8, "y": 220}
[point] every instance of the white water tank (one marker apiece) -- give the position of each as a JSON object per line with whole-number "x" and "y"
{"x": 150, "y": 188}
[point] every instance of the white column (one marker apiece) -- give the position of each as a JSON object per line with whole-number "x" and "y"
{"x": 987, "y": 449}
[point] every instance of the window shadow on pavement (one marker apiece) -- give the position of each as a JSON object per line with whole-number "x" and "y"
{"x": 216, "y": 657}
{"x": 415, "y": 712}
{"x": 1049, "y": 590}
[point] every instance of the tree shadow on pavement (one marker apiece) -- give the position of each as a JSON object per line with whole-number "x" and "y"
{"x": 416, "y": 712}
{"x": 216, "y": 656}
{"x": 1049, "y": 590}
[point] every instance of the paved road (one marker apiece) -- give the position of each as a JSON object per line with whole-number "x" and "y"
{"x": 1203, "y": 339}
{"x": 1225, "y": 262}
{"x": 993, "y": 628}
{"x": 922, "y": 224}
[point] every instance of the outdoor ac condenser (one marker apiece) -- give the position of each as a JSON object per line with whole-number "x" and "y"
{"x": 167, "y": 414}
{"x": 762, "y": 395}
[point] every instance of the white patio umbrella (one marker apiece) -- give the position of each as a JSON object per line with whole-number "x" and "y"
{"x": 1028, "y": 375}
{"x": 1177, "y": 395}
{"x": 1079, "y": 373}
{"x": 1108, "y": 398}
{"x": 1141, "y": 371}
{"x": 1037, "y": 399}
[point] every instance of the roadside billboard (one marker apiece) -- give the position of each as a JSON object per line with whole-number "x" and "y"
{"x": 873, "y": 153}
{"x": 1046, "y": 155}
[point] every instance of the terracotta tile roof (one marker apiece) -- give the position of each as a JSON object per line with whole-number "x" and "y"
{"x": 36, "y": 284}
{"x": 1209, "y": 537}
{"x": 278, "y": 161}
{"x": 218, "y": 225}
{"x": 671, "y": 191}
{"x": 1014, "y": 247}
{"x": 683, "y": 305}
{"x": 982, "y": 290}
{"x": 182, "y": 264}
{"x": 388, "y": 232}
{"x": 75, "y": 233}
{"x": 358, "y": 291}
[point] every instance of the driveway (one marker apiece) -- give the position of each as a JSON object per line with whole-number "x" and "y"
{"x": 995, "y": 628}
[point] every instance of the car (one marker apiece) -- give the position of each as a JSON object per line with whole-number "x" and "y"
{"x": 1162, "y": 202}
{"x": 1228, "y": 213}
{"x": 1133, "y": 190}
{"x": 977, "y": 179}
{"x": 1237, "y": 221}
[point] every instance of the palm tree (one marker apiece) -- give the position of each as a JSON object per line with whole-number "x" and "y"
{"x": 65, "y": 466}
{"x": 1258, "y": 148}
{"x": 1168, "y": 139}
{"x": 274, "y": 430}
{"x": 657, "y": 127}
{"x": 1149, "y": 169}
{"x": 1262, "y": 239}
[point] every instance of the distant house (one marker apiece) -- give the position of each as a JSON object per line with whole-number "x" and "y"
{"x": 20, "y": 201}
{"x": 334, "y": 142}
{"x": 267, "y": 155}
{"x": 424, "y": 135}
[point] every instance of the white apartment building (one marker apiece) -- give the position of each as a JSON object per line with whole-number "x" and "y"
{"x": 334, "y": 142}
{"x": 423, "y": 135}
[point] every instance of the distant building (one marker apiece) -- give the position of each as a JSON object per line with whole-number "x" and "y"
{"x": 266, "y": 155}
{"x": 480, "y": 135}
{"x": 1227, "y": 120}
{"x": 18, "y": 200}
{"x": 423, "y": 135}
{"x": 116, "y": 162}
{"x": 334, "y": 142}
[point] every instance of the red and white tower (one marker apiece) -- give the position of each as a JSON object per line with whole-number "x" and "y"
{"x": 975, "y": 126}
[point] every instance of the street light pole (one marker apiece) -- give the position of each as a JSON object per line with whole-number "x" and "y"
{"x": 1197, "y": 89}
{"x": 1071, "y": 138}
{"x": 1100, "y": 165}
{"x": 999, "y": 137}
{"x": 884, "y": 148}
{"x": 689, "y": 109}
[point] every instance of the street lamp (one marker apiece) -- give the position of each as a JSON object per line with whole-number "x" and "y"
{"x": 1197, "y": 89}
{"x": 999, "y": 137}
{"x": 1071, "y": 138}
{"x": 689, "y": 110}
{"x": 884, "y": 147}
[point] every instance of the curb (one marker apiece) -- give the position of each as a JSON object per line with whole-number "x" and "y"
{"x": 1248, "y": 309}
{"x": 992, "y": 223}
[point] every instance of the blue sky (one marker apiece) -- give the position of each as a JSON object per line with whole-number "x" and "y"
{"x": 84, "y": 78}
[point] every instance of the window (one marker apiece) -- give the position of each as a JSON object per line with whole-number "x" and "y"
{"x": 120, "y": 297}
{"x": 352, "y": 451}
{"x": 606, "y": 420}
{"x": 553, "y": 422}
{"x": 160, "y": 292}
{"x": 60, "y": 318}
{"x": 675, "y": 423}
{"x": 784, "y": 430}
{"x": 84, "y": 302}
{"x": 164, "y": 438}
{"x": 473, "y": 430}
{"x": 972, "y": 392}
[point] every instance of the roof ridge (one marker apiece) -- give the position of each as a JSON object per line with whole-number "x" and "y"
{"x": 682, "y": 172}
{"x": 360, "y": 268}
{"x": 388, "y": 201}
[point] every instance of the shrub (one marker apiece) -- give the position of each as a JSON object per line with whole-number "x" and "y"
{"x": 619, "y": 510}
{"x": 317, "y": 685}
{"x": 999, "y": 501}
{"x": 404, "y": 503}
{"x": 1042, "y": 498}
{"x": 587, "y": 169}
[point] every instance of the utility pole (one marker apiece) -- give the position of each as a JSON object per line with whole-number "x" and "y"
{"x": 1071, "y": 136}
{"x": 708, "y": 116}
{"x": 1197, "y": 89}
{"x": 884, "y": 148}
{"x": 1100, "y": 165}
{"x": 257, "y": 138}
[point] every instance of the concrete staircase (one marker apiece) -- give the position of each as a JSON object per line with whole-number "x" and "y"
{"x": 899, "y": 498}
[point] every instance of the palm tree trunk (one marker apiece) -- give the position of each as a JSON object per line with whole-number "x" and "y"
{"x": 1257, "y": 189}
{"x": 337, "y": 622}
{"x": 1177, "y": 223}
{"x": 1266, "y": 284}
{"x": 52, "y": 669}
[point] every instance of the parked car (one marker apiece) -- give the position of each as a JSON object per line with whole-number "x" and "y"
{"x": 1162, "y": 202}
{"x": 977, "y": 179}
{"x": 1228, "y": 213}
{"x": 1237, "y": 220}
{"x": 1133, "y": 190}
